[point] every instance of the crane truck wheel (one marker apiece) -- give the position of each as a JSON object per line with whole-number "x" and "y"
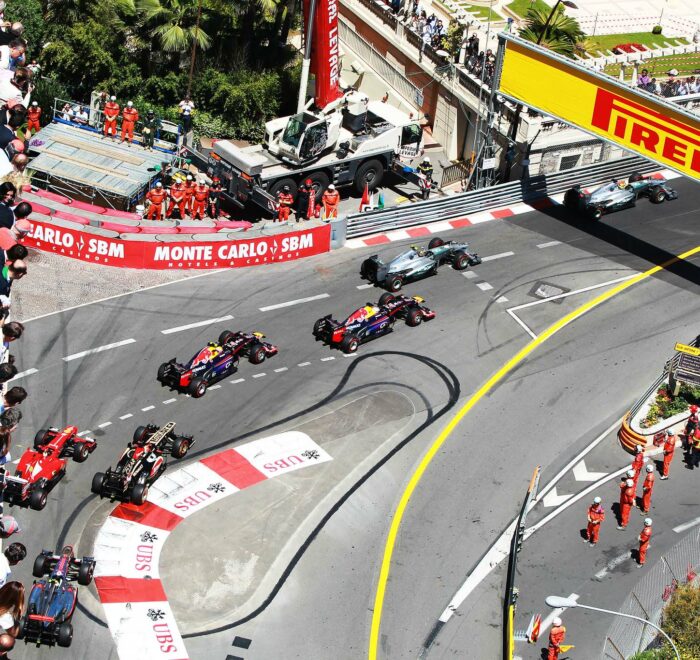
{"x": 370, "y": 173}
{"x": 278, "y": 185}
{"x": 319, "y": 182}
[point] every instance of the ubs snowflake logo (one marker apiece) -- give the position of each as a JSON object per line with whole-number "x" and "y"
{"x": 311, "y": 454}
{"x": 216, "y": 488}
{"x": 155, "y": 615}
{"x": 148, "y": 537}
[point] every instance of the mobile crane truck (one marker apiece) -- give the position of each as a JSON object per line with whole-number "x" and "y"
{"x": 338, "y": 137}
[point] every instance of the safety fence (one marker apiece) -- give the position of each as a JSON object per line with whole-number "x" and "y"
{"x": 444, "y": 208}
{"x": 455, "y": 172}
{"x": 677, "y": 567}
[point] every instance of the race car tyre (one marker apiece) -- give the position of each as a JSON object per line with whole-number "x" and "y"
{"x": 97, "y": 482}
{"x": 40, "y": 438}
{"x": 386, "y": 298}
{"x": 38, "y": 498}
{"x": 225, "y": 337}
{"x": 349, "y": 344}
{"x": 197, "y": 388}
{"x": 657, "y": 196}
{"x": 394, "y": 283}
{"x": 461, "y": 261}
{"x": 85, "y": 572}
{"x": 162, "y": 370}
{"x": 180, "y": 448}
{"x": 39, "y": 569}
{"x": 414, "y": 317}
{"x": 257, "y": 354}
{"x": 435, "y": 242}
{"x": 80, "y": 452}
{"x": 65, "y": 635}
{"x": 370, "y": 173}
{"x": 139, "y": 493}
{"x": 368, "y": 271}
{"x": 596, "y": 213}
{"x": 139, "y": 434}
{"x": 635, "y": 176}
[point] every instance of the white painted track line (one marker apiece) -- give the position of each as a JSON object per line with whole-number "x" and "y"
{"x": 303, "y": 364}
{"x": 612, "y": 565}
{"x": 469, "y": 274}
{"x": 298, "y": 301}
{"x": 198, "y": 324}
{"x": 500, "y": 255}
{"x": 484, "y": 286}
{"x": 365, "y": 286}
{"x": 99, "y": 349}
{"x": 165, "y": 403}
{"x": 521, "y": 323}
{"x": 238, "y": 380}
{"x": 82, "y": 433}
{"x": 126, "y": 416}
{"x": 691, "y": 523}
{"x": 214, "y": 387}
{"x": 147, "y": 408}
{"x": 281, "y": 369}
{"x": 327, "y": 359}
{"x": 22, "y": 374}
{"x": 104, "y": 425}
{"x": 549, "y": 244}
{"x": 502, "y": 299}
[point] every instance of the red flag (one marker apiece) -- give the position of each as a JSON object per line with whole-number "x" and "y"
{"x": 365, "y": 198}
{"x": 533, "y": 630}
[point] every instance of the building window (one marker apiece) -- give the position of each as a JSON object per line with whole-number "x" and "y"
{"x": 569, "y": 162}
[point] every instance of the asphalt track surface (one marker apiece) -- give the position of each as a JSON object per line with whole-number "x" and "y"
{"x": 570, "y": 389}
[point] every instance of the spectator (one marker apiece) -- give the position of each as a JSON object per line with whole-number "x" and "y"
{"x": 13, "y": 397}
{"x": 9, "y": 419}
{"x": 7, "y": 370}
{"x": 12, "y": 160}
{"x": 66, "y": 112}
{"x": 13, "y": 555}
{"x": 12, "y": 55}
{"x": 682, "y": 89}
{"x": 10, "y": 249}
{"x": 80, "y": 115}
{"x": 694, "y": 85}
{"x": 8, "y": 527}
{"x": 10, "y": 273}
{"x": 34, "y": 68}
{"x": 472, "y": 45}
{"x": 11, "y": 331}
{"x": 14, "y": 32}
{"x": 643, "y": 79}
{"x": 5, "y": 442}
{"x": 21, "y": 227}
{"x": 7, "y": 197}
{"x": 11, "y": 609}
{"x": 19, "y": 87}
{"x": 151, "y": 125}
{"x": 186, "y": 107}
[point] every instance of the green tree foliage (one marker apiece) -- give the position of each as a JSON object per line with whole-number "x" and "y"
{"x": 562, "y": 35}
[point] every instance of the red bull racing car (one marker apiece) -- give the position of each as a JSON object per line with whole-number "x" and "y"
{"x": 215, "y": 361}
{"x": 52, "y": 599}
{"x": 141, "y": 463}
{"x": 42, "y": 467}
{"x": 371, "y": 321}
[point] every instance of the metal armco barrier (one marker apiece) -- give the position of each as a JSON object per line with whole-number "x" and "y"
{"x": 444, "y": 208}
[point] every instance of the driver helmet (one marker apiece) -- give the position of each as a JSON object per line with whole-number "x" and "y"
{"x": 213, "y": 344}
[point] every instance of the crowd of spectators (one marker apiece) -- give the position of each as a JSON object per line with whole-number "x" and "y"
{"x": 671, "y": 86}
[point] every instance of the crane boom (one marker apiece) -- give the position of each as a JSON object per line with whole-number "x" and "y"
{"x": 325, "y": 50}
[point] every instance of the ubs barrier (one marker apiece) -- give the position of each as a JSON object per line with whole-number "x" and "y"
{"x": 155, "y": 255}
{"x": 444, "y": 208}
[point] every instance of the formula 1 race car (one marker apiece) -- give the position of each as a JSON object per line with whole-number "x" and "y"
{"x": 41, "y": 468}
{"x": 141, "y": 463}
{"x": 371, "y": 321}
{"x": 215, "y": 361}
{"x": 52, "y": 600}
{"x": 618, "y": 195}
{"x": 417, "y": 263}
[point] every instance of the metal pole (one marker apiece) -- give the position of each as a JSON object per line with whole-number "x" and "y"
{"x": 306, "y": 64}
{"x": 636, "y": 618}
{"x": 546, "y": 24}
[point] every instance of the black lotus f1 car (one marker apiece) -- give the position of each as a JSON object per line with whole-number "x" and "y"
{"x": 417, "y": 263}
{"x": 215, "y": 361}
{"x": 619, "y": 194}
{"x": 371, "y": 321}
{"x": 141, "y": 463}
{"x": 52, "y": 599}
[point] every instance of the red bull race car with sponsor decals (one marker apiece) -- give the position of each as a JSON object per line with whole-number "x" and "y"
{"x": 215, "y": 361}
{"x": 141, "y": 463}
{"x": 371, "y": 321}
{"x": 53, "y": 597}
{"x": 40, "y": 468}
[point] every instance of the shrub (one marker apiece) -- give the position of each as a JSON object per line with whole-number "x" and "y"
{"x": 666, "y": 405}
{"x": 657, "y": 29}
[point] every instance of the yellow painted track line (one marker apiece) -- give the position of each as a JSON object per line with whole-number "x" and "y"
{"x": 452, "y": 424}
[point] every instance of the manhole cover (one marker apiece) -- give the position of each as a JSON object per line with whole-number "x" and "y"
{"x": 545, "y": 290}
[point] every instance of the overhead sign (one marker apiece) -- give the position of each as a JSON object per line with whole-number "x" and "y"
{"x": 126, "y": 253}
{"x": 601, "y": 106}
{"x": 688, "y": 350}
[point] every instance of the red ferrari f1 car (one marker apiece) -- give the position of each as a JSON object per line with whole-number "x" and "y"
{"x": 41, "y": 468}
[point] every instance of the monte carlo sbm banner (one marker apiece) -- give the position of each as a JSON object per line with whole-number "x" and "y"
{"x": 603, "y": 107}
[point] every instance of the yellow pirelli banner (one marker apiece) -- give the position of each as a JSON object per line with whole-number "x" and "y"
{"x": 601, "y": 106}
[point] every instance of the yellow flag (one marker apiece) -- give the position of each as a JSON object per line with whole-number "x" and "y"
{"x": 566, "y": 647}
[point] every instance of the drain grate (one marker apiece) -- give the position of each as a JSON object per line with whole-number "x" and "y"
{"x": 544, "y": 290}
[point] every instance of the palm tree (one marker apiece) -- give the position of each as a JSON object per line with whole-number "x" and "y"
{"x": 559, "y": 33}
{"x": 174, "y": 24}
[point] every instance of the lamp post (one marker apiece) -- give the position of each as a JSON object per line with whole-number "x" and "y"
{"x": 561, "y": 602}
{"x": 566, "y": 3}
